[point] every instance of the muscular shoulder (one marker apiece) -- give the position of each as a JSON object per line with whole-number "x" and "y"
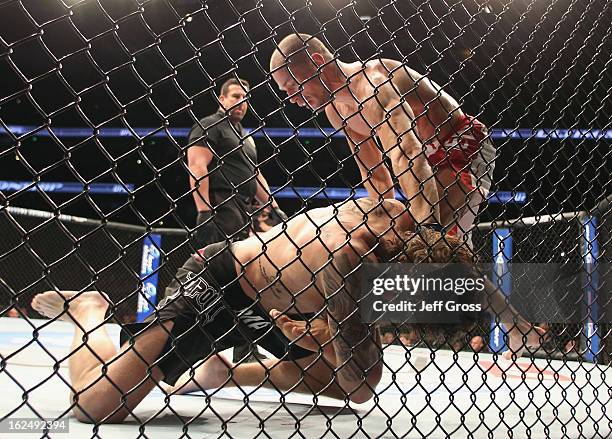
{"x": 379, "y": 71}
{"x": 389, "y": 208}
{"x": 337, "y": 113}
{"x": 210, "y": 122}
{"x": 371, "y": 206}
{"x": 363, "y": 208}
{"x": 205, "y": 130}
{"x": 394, "y": 76}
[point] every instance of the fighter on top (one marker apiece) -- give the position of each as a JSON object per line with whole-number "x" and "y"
{"x": 366, "y": 101}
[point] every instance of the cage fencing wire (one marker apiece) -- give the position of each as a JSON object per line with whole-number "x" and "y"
{"x": 104, "y": 64}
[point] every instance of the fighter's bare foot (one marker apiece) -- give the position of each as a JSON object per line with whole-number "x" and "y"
{"x": 522, "y": 338}
{"x": 211, "y": 374}
{"x": 53, "y": 304}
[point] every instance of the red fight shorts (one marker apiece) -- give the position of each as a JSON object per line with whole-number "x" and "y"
{"x": 471, "y": 154}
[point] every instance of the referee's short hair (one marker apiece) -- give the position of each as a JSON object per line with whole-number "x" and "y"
{"x": 234, "y": 81}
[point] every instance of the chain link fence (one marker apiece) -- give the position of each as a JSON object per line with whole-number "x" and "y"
{"x": 505, "y": 97}
{"x": 73, "y": 253}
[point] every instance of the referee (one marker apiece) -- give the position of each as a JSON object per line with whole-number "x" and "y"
{"x": 224, "y": 178}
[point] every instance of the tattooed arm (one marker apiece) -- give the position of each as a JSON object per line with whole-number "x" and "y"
{"x": 357, "y": 344}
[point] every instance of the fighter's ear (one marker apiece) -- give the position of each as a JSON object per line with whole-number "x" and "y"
{"x": 318, "y": 59}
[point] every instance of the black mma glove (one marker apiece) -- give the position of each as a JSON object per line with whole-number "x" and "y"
{"x": 207, "y": 233}
{"x": 276, "y": 216}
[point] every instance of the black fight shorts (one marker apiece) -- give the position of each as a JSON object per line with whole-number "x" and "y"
{"x": 210, "y": 313}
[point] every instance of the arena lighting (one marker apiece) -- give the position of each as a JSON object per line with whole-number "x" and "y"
{"x": 485, "y": 6}
{"x": 66, "y": 187}
{"x": 495, "y": 133}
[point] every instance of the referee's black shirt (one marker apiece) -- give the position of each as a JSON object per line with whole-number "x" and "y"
{"x": 233, "y": 163}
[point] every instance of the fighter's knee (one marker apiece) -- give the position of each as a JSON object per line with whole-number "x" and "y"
{"x": 96, "y": 414}
{"x": 94, "y": 410}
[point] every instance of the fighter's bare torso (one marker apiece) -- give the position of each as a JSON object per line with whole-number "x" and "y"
{"x": 436, "y": 112}
{"x": 282, "y": 264}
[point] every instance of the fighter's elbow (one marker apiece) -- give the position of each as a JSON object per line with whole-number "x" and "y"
{"x": 401, "y": 164}
{"x": 404, "y": 155}
{"x": 198, "y": 172}
{"x": 367, "y": 389}
{"x": 361, "y": 396}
